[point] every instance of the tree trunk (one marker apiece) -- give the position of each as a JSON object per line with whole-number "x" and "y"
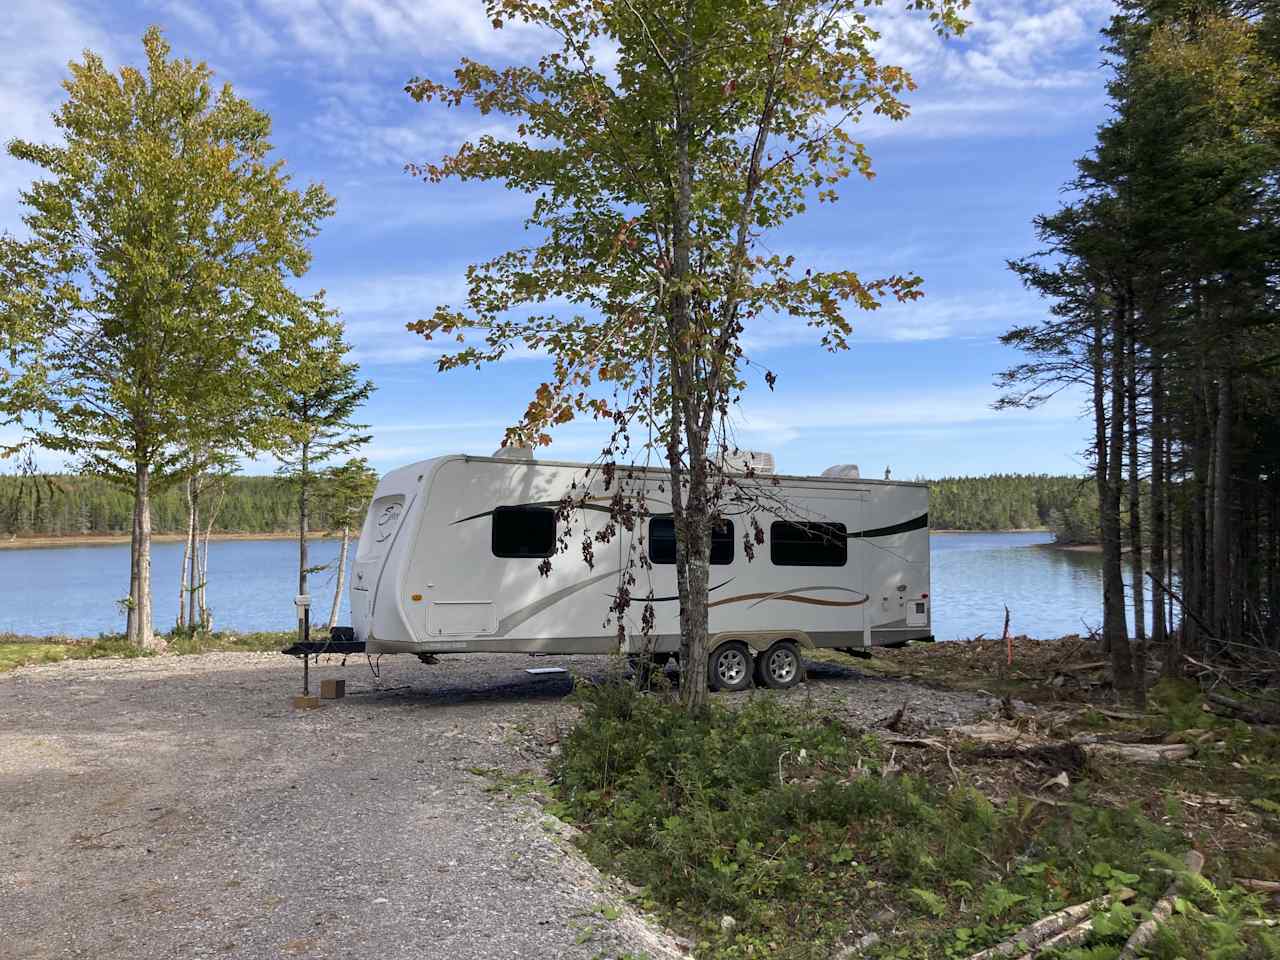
{"x": 206, "y": 619}
{"x": 697, "y": 533}
{"x": 133, "y": 613}
{"x": 187, "y": 547}
{"x": 140, "y": 630}
{"x": 1222, "y": 512}
{"x": 1114, "y": 623}
{"x": 342, "y": 573}
{"x": 1273, "y": 559}
{"x": 303, "y": 504}
{"x": 1159, "y": 510}
{"x": 192, "y": 617}
{"x": 1100, "y": 433}
{"x": 691, "y": 526}
{"x": 1138, "y": 588}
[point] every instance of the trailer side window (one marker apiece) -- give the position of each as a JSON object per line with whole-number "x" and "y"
{"x": 808, "y": 544}
{"x": 662, "y": 541}
{"x": 524, "y": 532}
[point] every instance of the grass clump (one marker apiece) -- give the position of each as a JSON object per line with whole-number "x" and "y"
{"x": 801, "y": 831}
{"x": 22, "y": 651}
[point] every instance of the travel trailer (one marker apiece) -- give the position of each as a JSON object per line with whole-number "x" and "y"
{"x": 450, "y": 554}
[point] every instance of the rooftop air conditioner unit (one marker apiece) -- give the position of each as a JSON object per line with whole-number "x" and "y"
{"x": 738, "y": 461}
{"x": 514, "y": 453}
{"x": 847, "y": 471}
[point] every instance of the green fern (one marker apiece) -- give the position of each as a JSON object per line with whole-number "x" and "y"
{"x": 930, "y": 902}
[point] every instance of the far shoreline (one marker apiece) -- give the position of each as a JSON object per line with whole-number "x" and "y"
{"x": 1051, "y": 545}
{"x": 1009, "y": 530}
{"x": 122, "y": 539}
{"x": 119, "y": 539}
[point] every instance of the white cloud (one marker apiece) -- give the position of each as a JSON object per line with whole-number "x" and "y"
{"x": 38, "y": 38}
{"x": 767, "y": 421}
{"x": 1019, "y": 62}
{"x": 329, "y": 33}
{"x": 929, "y": 318}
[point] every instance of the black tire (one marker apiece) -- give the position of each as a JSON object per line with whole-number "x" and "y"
{"x": 729, "y": 667}
{"x": 780, "y": 666}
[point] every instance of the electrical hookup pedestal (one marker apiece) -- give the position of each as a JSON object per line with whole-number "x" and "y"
{"x": 306, "y": 700}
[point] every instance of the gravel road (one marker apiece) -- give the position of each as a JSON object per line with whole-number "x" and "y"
{"x": 178, "y": 807}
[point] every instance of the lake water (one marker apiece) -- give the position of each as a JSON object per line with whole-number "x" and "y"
{"x": 72, "y": 590}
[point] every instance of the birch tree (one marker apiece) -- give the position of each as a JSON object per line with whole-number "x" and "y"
{"x": 153, "y": 285}
{"x": 348, "y": 489}
{"x": 656, "y": 173}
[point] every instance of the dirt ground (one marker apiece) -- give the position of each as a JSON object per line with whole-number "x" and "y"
{"x": 179, "y": 807}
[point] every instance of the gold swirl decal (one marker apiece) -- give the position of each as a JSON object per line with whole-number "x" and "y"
{"x": 791, "y": 597}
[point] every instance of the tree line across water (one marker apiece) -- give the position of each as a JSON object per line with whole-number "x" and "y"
{"x": 57, "y": 505}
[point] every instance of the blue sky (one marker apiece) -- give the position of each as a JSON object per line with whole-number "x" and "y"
{"x": 999, "y": 117}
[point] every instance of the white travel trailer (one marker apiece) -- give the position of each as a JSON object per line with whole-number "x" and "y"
{"x": 449, "y": 556}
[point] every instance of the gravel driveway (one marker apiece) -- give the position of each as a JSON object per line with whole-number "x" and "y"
{"x": 178, "y": 807}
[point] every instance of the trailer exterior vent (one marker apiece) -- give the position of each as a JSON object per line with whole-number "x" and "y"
{"x": 846, "y": 471}
{"x": 513, "y": 453}
{"x": 738, "y": 461}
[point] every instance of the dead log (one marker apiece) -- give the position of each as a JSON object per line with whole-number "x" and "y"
{"x": 1067, "y": 938}
{"x": 1083, "y": 667}
{"x": 1261, "y": 886}
{"x": 1161, "y": 911}
{"x": 1044, "y": 928}
{"x": 1122, "y": 714}
{"x": 988, "y": 732}
{"x": 1249, "y": 712}
{"x": 1061, "y": 756}
{"x": 910, "y": 741}
{"x": 1140, "y": 752}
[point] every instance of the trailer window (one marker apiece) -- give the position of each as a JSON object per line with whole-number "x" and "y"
{"x": 808, "y": 544}
{"x": 662, "y": 541}
{"x": 524, "y": 532}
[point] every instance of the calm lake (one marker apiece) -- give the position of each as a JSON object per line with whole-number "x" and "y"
{"x": 72, "y": 590}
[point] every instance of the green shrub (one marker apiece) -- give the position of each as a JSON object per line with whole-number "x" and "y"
{"x": 782, "y": 820}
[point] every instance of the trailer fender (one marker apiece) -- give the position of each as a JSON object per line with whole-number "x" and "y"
{"x": 761, "y": 640}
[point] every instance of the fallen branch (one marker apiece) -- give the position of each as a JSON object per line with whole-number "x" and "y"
{"x": 1261, "y": 886}
{"x": 1122, "y": 714}
{"x": 1082, "y": 667}
{"x": 1140, "y": 752}
{"x": 1037, "y": 933}
{"x": 1161, "y": 911}
{"x": 1250, "y": 712}
{"x": 911, "y": 741}
{"x": 1182, "y": 603}
{"x": 1068, "y": 938}
{"x": 1059, "y": 755}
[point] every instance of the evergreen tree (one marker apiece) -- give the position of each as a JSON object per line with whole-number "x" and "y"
{"x": 319, "y": 397}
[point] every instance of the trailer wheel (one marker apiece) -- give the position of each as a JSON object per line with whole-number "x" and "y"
{"x": 780, "y": 666}
{"x": 729, "y": 667}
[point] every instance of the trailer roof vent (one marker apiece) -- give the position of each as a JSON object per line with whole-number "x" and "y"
{"x": 738, "y": 461}
{"x": 514, "y": 453}
{"x": 847, "y": 471}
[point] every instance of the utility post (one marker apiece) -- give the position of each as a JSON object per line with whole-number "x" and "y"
{"x": 303, "y": 602}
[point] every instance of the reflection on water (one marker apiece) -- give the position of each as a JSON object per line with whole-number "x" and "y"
{"x": 72, "y": 590}
{"x": 1049, "y": 592}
